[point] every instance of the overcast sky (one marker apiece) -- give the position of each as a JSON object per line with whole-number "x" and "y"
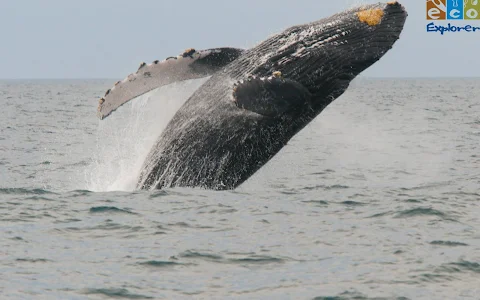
{"x": 108, "y": 39}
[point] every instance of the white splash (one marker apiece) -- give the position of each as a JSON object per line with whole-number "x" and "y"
{"x": 125, "y": 138}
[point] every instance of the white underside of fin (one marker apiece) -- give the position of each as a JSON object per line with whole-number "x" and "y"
{"x": 149, "y": 77}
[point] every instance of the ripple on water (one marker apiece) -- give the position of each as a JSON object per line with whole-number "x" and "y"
{"x": 448, "y": 243}
{"x": 250, "y": 259}
{"x": 337, "y": 186}
{"x": 379, "y": 215}
{"x": 66, "y": 221}
{"x": 325, "y": 187}
{"x": 22, "y": 191}
{"x": 353, "y": 295}
{"x": 352, "y": 203}
{"x": 162, "y": 264}
{"x": 256, "y": 259}
{"x": 107, "y": 226}
{"x": 448, "y": 272}
{"x": 411, "y": 200}
{"x": 158, "y": 194}
{"x": 39, "y": 198}
{"x": 110, "y": 209}
{"x": 460, "y": 267}
{"x": 115, "y": 293}
{"x": 433, "y": 278}
{"x": 421, "y": 211}
{"x": 80, "y": 193}
{"x": 200, "y": 255}
{"x": 33, "y": 260}
{"x": 316, "y": 202}
{"x": 186, "y": 225}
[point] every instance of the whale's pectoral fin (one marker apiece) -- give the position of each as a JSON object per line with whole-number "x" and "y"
{"x": 271, "y": 96}
{"x": 191, "y": 64}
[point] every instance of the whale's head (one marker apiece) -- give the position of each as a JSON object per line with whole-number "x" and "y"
{"x": 326, "y": 55}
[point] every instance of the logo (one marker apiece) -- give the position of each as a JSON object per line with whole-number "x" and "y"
{"x": 453, "y": 10}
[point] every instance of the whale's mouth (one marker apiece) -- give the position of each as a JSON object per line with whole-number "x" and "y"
{"x": 361, "y": 37}
{"x": 326, "y": 55}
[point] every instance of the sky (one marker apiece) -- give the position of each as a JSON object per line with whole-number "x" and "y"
{"x": 108, "y": 39}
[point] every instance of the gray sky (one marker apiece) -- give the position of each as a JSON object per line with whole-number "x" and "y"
{"x": 108, "y": 39}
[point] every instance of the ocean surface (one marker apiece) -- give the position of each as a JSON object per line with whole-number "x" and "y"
{"x": 378, "y": 198}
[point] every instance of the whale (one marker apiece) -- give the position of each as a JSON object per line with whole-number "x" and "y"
{"x": 256, "y": 99}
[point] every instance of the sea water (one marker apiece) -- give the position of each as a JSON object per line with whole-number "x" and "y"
{"x": 378, "y": 198}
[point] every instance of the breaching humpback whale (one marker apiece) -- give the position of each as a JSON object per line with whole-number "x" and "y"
{"x": 257, "y": 99}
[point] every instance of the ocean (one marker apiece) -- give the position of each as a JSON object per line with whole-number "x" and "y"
{"x": 377, "y": 198}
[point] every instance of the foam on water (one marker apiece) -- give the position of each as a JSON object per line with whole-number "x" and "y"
{"x": 125, "y": 138}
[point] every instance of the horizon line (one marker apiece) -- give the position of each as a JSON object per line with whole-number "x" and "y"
{"x": 358, "y": 77}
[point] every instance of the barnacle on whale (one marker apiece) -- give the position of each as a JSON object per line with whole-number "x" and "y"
{"x": 371, "y": 16}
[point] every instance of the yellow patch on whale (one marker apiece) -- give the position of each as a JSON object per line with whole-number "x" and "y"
{"x": 277, "y": 74}
{"x": 370, "y": 16}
